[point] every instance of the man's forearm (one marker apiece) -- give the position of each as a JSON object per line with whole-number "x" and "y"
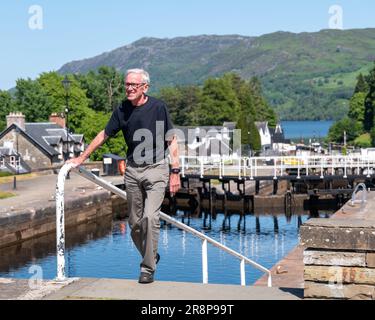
{"x": 95, "y": 144}
{"x": 173, "y": 151}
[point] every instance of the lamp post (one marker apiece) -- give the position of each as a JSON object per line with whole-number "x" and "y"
{"x": 17, "y": 130}
{"x": 66, "y": 83}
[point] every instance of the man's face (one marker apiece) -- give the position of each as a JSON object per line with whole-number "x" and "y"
{"x": 134, "y": 86}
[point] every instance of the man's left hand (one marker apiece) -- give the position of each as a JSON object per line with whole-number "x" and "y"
{"x": 174, "y": 183}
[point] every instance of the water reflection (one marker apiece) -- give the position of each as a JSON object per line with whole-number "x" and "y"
{"x": 29, "y": 252}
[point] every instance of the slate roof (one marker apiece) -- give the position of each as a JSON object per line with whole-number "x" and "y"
{"x": 261, "y": 125}
{"x": 52, "y": 140}
{"x": 39, "y": 132}
{"x": 78, "y": 138}
{"x": 7, "y": 152}
{"x": 278, "y": 136}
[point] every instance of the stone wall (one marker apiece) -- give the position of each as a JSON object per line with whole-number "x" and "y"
{"x": 16, "y": 227}
{"x": 339, "y": 255}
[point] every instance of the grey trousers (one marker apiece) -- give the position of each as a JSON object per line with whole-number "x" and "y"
{"x": 145, "y": 188}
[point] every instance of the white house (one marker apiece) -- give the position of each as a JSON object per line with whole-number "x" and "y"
{"x": 210, "y": 142}
{"x": 265, "y": 135}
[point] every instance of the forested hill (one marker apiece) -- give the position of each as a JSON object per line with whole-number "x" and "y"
{"x": 305, "y": 75}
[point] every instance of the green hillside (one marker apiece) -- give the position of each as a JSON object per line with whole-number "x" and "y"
{"x": 305, "y": 76}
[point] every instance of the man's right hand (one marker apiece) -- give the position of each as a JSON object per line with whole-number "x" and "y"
{"x": 96, "y": 143}
{"x": 76, "y": 162}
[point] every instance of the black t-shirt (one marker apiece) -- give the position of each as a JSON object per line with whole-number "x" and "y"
{"x": 146, "y": 130}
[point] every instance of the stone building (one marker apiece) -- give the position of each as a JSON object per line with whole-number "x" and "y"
{"x": 26, "y": 147}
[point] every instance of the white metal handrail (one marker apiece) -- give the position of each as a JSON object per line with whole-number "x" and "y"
{"x": 277, "y": 167}
{"x": 60, "y": 229}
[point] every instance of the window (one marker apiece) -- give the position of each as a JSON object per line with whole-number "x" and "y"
{"x": 12, "y": 161}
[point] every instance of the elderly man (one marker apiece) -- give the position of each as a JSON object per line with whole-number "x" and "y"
{"x": 147, "y": 129}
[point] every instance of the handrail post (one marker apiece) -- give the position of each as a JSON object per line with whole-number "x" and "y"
{"x": 239, "y": 168}
{"x": 275, "y": 169}
{"x": 202, "y": 168}
{"x": 243, "y": 274}
{"x": 223, "y": 168}
{"x": 269, "y": 282}
{"x": 204, "y": 262}
{"x": 183, "y": 166}
{"x": 220, "y": 167}
{"x": 60, "y": 223}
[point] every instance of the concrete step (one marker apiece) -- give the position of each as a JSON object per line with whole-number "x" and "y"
{"x": 114, "y": 289}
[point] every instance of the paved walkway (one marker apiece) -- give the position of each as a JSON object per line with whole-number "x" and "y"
{"x": 34, "y": 191}
{"x": 113, "y": 289}
{"x": 131, "y": 290}
{"x": 288, "y": 273}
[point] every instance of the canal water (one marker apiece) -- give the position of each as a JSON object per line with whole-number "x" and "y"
{"x": 306, "y": 129}
{"x": 105, "y": 249}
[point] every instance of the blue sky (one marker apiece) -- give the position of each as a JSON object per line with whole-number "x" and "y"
{"x": 74, "y": 30}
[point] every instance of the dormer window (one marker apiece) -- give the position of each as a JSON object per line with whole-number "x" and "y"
{"x": 12, "y": 160}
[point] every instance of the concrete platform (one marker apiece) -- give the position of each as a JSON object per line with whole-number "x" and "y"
{"x": 287, "y": 273}
{"x": 114, "y": 289}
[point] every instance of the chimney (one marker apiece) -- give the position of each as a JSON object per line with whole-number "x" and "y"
{"x": 18, "y": 118}
{"x": 59, "y": 119}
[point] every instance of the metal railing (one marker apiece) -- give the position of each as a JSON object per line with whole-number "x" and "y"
{"x": 60, "y": 229}
{"x": 277, "y": 167}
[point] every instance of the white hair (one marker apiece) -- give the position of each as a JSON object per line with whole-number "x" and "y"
{"x": 143, "y": 73}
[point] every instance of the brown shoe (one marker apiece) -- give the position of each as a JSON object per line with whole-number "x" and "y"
{"x": 145, "y": 278}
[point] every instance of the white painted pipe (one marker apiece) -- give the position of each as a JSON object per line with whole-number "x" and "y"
{"x": 183, "y": 166}
{"x": 60, "y": 223}
{"x": 269, "y": 282}
{"x": 243, "y": 274}
{"x": 202, "y": 170}
{"x": 204, "y": 262}
{"x": 239, "y": 168}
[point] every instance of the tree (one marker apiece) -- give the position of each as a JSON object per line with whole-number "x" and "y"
{"x": 370, "y": 102}
{"x": 357, "y": 107}
{"x": 249, "y": 132}
{"x": 33, "y": 101}
{"x": 263, "y": 112}
{"x": 352, "y": 128}
{"x": 78, "y": 102}
{"x": 104, "y": 87}
{"x": 363, "y": 141}
{"x": 362, "y": 85}
{"x": 182, "y": 102}
{"x": 6, "y": 106}
{"x": 219, "y": 103}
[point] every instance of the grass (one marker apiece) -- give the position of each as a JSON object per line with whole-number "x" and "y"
{"x": 4, "y": 195}
{"x": 349, "y": 80}
{"x": 22, "y": 177}
{"x": 5, "y": 174}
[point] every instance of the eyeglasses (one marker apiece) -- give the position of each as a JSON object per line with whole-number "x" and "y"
{"x": 134, "y": 85}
